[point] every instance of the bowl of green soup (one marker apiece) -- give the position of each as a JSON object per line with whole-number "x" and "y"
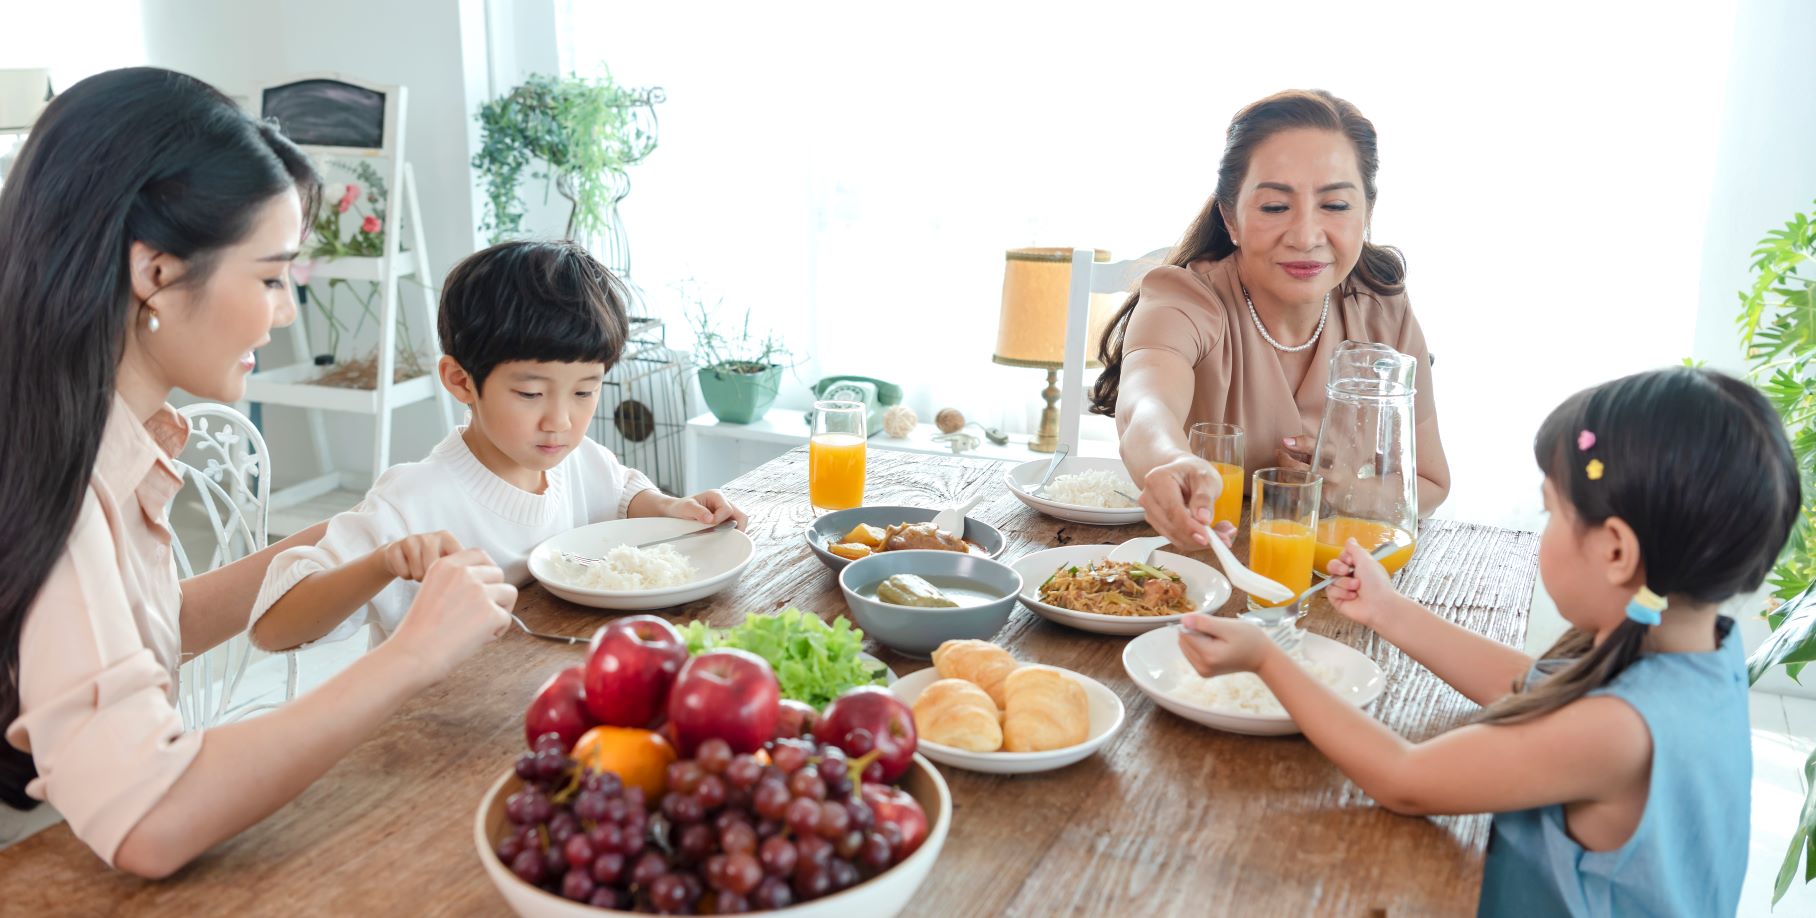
{"x": 914, "y": 601}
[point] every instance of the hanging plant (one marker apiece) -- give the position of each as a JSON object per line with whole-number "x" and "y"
{"x": 575, "y": 133}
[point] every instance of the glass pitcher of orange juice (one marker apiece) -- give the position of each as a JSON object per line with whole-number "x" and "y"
{"x": 835, "y": 455}
{"x": 1366, "y": 454}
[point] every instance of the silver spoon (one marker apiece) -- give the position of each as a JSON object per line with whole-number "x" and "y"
{"x": 1059, "y": 455}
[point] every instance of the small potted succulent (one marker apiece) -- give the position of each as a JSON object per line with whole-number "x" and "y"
{"x": 740, "y": 372}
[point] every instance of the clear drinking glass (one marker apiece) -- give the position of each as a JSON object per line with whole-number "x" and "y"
{"x": 1221, "y": 446}
{"x": 835, "y": 455}
{"x": 1282, "y": 528}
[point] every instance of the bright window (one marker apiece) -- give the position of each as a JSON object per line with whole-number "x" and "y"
{"x": 855, "y": 175}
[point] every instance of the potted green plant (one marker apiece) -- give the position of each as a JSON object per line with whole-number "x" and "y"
{"x": 1778, "y": 331}
{"x": 577, "y": 134}
{"x": 740, "y": 372}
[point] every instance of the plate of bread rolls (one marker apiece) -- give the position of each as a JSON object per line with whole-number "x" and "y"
{"x": 980, "y": 709}
{"x": 1205, "y": 589}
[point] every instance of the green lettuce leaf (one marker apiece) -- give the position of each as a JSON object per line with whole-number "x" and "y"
{"x": 814, "y": 662}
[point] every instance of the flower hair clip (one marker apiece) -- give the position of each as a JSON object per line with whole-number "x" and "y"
{"x": 1585, "y": 441}
{"x": 1645, "y": 606}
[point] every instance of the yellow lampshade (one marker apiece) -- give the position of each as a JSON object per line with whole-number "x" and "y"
{"x": 1032, "y": 330}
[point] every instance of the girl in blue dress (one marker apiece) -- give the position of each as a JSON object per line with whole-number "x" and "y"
{"x": 1618, "y": 765}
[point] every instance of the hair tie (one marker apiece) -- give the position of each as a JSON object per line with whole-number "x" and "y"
{"x": 1645, "y": 606}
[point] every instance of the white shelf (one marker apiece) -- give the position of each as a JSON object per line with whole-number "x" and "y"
{"x": 289, "y": 386}
{"x": 361, "y": 268}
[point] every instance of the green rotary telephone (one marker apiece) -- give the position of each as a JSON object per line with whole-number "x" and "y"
{"x": 874, "y": 394}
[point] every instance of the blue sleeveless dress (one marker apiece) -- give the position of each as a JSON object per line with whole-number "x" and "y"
{"x": 1690, "y": 851}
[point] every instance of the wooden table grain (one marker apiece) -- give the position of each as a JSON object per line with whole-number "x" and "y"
{"x": 1168, "y": 818}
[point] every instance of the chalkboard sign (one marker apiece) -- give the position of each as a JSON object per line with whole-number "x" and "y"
{"x": 328, "y": 113}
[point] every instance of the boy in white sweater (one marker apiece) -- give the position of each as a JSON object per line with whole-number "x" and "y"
{"x": 528, "y": 330}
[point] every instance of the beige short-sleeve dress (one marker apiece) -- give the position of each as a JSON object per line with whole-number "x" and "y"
{"x": 1197, "y": 312}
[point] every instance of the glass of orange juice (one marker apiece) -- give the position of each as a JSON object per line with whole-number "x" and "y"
{"x": 1283, "y": 522}
{"x": 1221, "y": 446}
{"x": 835, "y": 455}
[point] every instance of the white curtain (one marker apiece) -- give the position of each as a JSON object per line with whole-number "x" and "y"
{"x": 854, "y": 175}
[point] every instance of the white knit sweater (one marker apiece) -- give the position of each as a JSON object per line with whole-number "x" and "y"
{"x": 452, "y": 491}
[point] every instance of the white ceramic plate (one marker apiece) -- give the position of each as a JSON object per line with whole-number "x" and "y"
{"x": 1206, "y": 586}
{"x": 1157, "y": 666}
{"x": 1106, "y": 719}
{"x": 889, "y": 677}
{"x": 718, "y": 558}
{"x": 1027, "y": 475}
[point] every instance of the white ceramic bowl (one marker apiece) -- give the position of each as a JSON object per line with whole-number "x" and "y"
{"x": 1157, "y": 666}
{"x": 1027, "y": 475}
{"x": 1205, "y": 585}
{"x": 718, "y": 558}
{"x": 886, "y": 894}
{"x": 1106, "y": 718}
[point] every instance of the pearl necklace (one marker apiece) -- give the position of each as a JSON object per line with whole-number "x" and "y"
{"x": 1270, "y": 338}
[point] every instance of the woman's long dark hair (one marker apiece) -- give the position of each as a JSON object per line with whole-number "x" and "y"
{"x": 137, "y": 155}
{"x": 1697, "y": 463}
{"x": 1380, "y": 269}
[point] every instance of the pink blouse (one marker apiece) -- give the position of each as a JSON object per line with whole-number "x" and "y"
{"x": 99, "y": 653}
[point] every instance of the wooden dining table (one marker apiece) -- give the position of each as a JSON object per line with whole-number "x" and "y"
{"x": 1169, "y": 817}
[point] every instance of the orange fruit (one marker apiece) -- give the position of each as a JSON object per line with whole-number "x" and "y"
{"x": 639, "y": 758}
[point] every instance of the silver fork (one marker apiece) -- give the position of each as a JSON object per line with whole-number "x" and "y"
{"x": 586, "y": 561}
{"x": 563, "y": 638}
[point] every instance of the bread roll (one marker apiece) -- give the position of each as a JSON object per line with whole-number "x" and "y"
{"x": 956, "y": 713}
{"x": 1045, "y": 709}
{"x": 980, "y": 663}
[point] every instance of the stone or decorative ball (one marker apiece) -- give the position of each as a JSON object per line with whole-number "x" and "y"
{"x": 899, "y": 421}
{"x": 949, "y": 420}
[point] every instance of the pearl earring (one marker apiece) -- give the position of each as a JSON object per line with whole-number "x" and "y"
{"x": 152, "y": 324}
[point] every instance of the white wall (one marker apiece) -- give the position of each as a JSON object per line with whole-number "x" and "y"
{"x": 436, "y": 48}
{"x": 1766, "y": 166}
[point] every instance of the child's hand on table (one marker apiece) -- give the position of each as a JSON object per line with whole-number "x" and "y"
{"x": 708, "y": 507}
{"x": 1216, "y": 646}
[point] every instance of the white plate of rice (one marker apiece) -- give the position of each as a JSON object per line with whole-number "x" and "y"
{"x": 1241, "y": 702}
{"x": 641, "y": 579}
{"x": 1082, "y": 491}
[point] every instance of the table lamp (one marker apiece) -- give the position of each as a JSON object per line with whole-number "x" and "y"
{"x": 23, "y": 94}
{"x": 1032, "y": 332}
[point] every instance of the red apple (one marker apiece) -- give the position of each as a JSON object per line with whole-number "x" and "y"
{"x": 630, "y": 667}
{"x": 796, "y": 720}
{"x": 866, "y": 719}
{"x": 729, "y": 694}
{"x": 559, "y": 707}
{"x": 893, "y": 806}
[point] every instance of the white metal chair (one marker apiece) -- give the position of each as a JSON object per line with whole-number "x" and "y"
{"x": 233, "y": 487}
{"x": 1088, "y": 277}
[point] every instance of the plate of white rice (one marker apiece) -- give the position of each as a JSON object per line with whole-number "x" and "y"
{"x": 633, "y": 579}
{"x": 1241, "y": 702}
{"x": 1083, "y": 490}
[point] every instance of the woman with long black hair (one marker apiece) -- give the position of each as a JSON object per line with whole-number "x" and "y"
{"x": 146, "y": 234}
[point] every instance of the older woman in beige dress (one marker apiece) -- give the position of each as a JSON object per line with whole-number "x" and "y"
{"x": 1239, "y": 327}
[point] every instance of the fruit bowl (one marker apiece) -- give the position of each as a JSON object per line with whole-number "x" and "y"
{"x": 885, "y": 894}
